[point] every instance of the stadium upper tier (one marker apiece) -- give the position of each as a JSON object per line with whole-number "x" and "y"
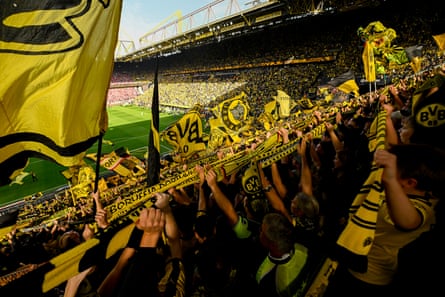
{"x": 184, "y": 32}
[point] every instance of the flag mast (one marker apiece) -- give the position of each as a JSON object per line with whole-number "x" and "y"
{"x": 153, "y": 160}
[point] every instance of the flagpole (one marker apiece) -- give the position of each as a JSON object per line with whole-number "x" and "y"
{"x": 153, "y": 160}
{"x": 98, "y": 157}
{"x": 99, "y": 153}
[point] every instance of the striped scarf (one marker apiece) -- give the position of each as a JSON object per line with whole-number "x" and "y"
{"x": 358, "y": 235}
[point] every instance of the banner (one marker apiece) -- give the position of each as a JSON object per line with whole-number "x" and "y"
{"x": 55, "y": 63}
{"x": 285, "y": 103}
{"x": 369, "y": 62}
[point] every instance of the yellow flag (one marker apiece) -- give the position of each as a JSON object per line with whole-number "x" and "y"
{"x": 122, "y": 163}
{"x": 285, "y": 103}
{"x": 416, "y": 64}
{"x": 251, "y": 181}
{"x": 55, "y": 63}
{"x": 369, "y": 62}
{"x": 186, "y": 135}
{"x": 270, "y": 107}
{"x": 440, "y": 41}
{"x": 349, "y": 86}
{"x": 231, "y": 117}
{"x": 346, "y": 83}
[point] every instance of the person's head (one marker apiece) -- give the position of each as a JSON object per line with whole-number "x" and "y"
{"x": 256, "y": 208}
{"x": 406, "y": 131}
{"x": 204, "y": 227}
{"x": 304, "y": 205}
{"x": 356, "y": 122}
{"x": 420, "y": 166}
{"x": 340, "y": 159}
{"x": 325, "y": 149}
{"x": 69, "y": 240}
{"x": 277, "y": 234}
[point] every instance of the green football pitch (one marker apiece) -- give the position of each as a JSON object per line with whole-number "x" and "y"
{"x": 129, "y": 127}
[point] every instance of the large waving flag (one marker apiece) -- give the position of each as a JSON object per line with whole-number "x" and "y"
{"x": 56, "y": 60}
{"x": 231, "y": 118}
{"x": 186, "y": 135}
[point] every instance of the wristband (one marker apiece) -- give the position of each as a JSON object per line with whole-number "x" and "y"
{"x": 267, "y": 188}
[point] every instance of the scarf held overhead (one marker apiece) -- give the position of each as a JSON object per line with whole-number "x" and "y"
{"x": 358, "y": 234}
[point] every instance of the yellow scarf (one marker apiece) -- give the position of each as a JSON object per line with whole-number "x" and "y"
{"x": 358, "y": 234}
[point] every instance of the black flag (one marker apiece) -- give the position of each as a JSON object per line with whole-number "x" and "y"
{"x": 153, "y": 161}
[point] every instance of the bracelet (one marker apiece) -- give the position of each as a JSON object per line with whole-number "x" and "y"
{"x": 267, "y": 188}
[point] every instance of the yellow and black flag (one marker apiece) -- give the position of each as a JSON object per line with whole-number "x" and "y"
{"x": 231, "y": 117}
{"x": 186, "y": 135}
{"x": 414, "y": 54}
{"x": 369, "y": 62}
{"x": 56, "y": 60}
{"x": 345, "y": 83}
{"x": 154, "y": 159}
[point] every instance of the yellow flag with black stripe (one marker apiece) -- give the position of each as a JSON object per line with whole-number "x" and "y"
{"x": 56, "y": 61}
{"x": 346, "y": 83}
{"x": 350, "y": 86}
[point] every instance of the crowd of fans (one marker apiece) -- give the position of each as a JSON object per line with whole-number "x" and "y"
{"x": 214, "y": 239}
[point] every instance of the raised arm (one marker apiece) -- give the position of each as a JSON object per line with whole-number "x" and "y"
{"x": 401, "y": 210}
{"x": 338, "y": 145}
{"x": 272, "y": 195}
{"x": 202, "y": 200}
{"x": 391, "y": 132}
{"x": 306, "y": 174}
{"x": 221, "y": 200}
{"x": 142, "y": 273}
{"x": 171, "y": 228}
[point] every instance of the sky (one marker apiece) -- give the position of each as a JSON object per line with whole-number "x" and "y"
{"x": 138, "y": 17}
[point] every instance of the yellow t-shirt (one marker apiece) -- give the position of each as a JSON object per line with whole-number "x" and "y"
{"x": 382, "y": 257}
